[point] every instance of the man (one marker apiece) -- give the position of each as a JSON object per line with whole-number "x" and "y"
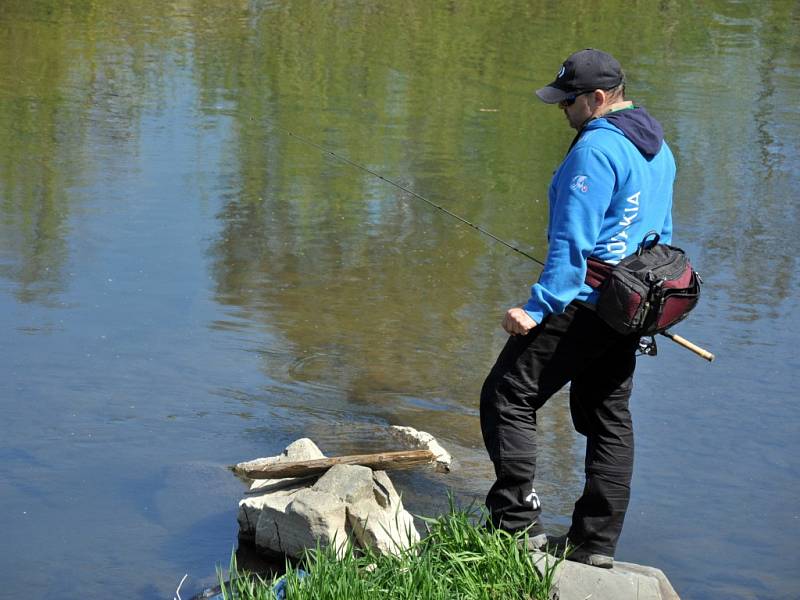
{"x": 613, "y": 186}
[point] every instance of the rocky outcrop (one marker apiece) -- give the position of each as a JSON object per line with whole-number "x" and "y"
{"x": 348, "y": 502}
{"x": 626, "y": 581}
{"x": 286, "y": 516}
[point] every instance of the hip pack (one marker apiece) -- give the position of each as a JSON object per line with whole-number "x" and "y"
{"x": 648, "y": 291}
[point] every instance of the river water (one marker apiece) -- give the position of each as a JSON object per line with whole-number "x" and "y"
{"x": 184, "y": 285}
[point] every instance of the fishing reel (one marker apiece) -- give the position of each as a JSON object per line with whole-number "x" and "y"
{"x": 648, "y": 346}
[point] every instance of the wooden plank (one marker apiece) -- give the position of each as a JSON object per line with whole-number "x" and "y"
{"x": 381, "y": 461}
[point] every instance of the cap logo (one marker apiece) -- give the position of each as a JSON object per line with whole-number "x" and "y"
{"x": 561, "y": 72}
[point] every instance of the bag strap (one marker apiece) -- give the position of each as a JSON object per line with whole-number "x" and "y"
{"x": 650, "y": 239}
{"x": 597, "y": 271}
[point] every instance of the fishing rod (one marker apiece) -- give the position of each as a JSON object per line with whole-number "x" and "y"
{"x": 681, "y": 341}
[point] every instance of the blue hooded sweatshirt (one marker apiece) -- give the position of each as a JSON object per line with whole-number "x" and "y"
{"x": 614, "y": 186}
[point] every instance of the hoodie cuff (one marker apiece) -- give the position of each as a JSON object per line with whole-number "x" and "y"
{"x": 534, "y": 311}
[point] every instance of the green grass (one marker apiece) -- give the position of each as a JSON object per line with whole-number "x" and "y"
{"x": 456, "y": 560}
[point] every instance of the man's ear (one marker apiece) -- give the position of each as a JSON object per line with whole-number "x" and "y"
{"x": 600, "y": 97}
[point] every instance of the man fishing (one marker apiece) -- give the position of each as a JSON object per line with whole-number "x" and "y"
{"x": 613, "y": 187}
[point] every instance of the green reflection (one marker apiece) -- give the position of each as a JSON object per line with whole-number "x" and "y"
{"x": 437, "y": 95}
{"x": 74, "y": 78}
{"x": 347, "y": 268}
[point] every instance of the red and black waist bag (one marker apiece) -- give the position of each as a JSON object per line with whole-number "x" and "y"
{"x": 646, "y": 292}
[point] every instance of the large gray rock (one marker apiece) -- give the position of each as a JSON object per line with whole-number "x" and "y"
{"x": 350, "y": 483}
{"x": 269, "y": 516}
{"x": 381, "y": 522}
{"x": 261, "y": 490}
{"x": 667, "y": 592}
{"x": 383, "y": 490}
{"x": 309, "y": 519}
{"x": 626, "y": 581}
{"x": 386, "y": 530}
{"x": 287, "y": 516}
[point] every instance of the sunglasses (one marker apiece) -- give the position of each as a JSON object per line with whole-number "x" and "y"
{"x": 570, "y": 100}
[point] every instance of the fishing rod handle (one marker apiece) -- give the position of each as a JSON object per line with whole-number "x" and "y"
{"x": 681, "y": 341}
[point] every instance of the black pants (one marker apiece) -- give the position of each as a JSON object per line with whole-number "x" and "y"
{"x": 577, "y": 347}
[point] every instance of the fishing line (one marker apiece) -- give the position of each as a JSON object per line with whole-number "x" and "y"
{"x": 352, "y": 163}
{"x": 674, "y": 337}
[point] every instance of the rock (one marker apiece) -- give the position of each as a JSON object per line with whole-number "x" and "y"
{"x": 665, "y": 587}
{"x": 350, "y": 483}
{"x": 287, "y": 516}
{"x": 250, "y": 508}
{"x": 310, "y": 518}
{"x": 381, "y": 522}
{"x": 626, "y": 581}
{"x": 383, "y": 490}
{"x": 269, "y": 515}
{"x": 302, "y": 449}
{"x": 423, "y": 440}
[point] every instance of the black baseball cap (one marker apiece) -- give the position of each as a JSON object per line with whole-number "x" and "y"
{"x": 584, "y": 71}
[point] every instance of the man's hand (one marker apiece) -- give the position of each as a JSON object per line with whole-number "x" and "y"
{"x": 517, "y": 321}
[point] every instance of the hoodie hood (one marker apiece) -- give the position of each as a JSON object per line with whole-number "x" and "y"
{"x": 640, "y": 128}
